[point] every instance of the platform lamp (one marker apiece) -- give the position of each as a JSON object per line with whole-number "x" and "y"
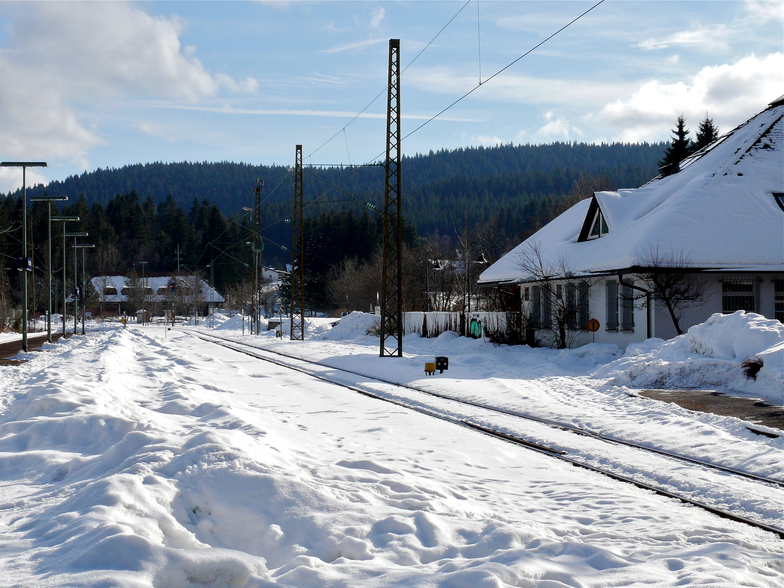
{"x": 25, "y": 265}
{"x": 144, "y": 294}
{"x": 64, "y": 219}
{"x": 76, "y": 302}
{"x": 49, "y": 199}
{"x": 83, "y": 246}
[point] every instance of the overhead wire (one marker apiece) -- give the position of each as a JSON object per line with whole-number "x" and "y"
{"x": 500, "y": 71}
{"x": 361, "y": 112}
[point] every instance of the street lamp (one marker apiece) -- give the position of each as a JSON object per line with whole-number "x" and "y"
{"x": 64, "y": 219}
{"x": 83, "y": 246}
{"x": 144, "y": 293}
{"x": 76, "y": 301}
{"x": 481, "y": 260}
{"x": 436, "y": 265}
{"x": 49, "y": 199}
{"x": 24, "y": 165}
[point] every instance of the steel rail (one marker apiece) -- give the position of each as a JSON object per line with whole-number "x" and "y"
{"x": 540, "y": 448}
{"x": 543, "y": 421}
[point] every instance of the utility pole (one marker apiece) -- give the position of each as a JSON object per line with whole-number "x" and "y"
{"x": 391, "y": 282}
{"x": 298, "y": 255}
{"x": 258, "y": 249}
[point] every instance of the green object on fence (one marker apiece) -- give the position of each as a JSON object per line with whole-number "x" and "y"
{"x": 475, "y": 328}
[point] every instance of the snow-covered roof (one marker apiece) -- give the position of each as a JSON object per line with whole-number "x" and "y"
{"x": 155, "y": 283}
{"x": 718, "y": 212}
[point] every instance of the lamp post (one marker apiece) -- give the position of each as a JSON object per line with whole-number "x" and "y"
{"x": 49, "y": 199}
{"x": 144, "y": 293}
{"x": 481, "y": 260}
{"x": 24, "y": 165}
{"x": 83, "y": 246}
{"x": 76, "y": 301}
{"x": 64, "y": 219}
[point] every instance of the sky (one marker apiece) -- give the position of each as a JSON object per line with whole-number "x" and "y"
{"x": 106, "y": 84}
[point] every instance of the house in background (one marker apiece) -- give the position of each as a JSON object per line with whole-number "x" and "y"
{"x": 158, "y": 293}
{"x": 716, "y": 225}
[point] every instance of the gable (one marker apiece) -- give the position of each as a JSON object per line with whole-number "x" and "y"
{"x": 594, "y": 224}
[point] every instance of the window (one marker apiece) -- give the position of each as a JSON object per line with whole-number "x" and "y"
{"x": 778, "y": 299}
{"x": 737, "y": 294}
{"x": 779, "y": 198}
{"x": 110, "y": 291}
{"x": 598, "y": 226}
{"x": 627, "y": 308}
{"x": 612, "y": 306}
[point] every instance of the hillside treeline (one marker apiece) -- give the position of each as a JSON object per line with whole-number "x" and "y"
{"x": 190, "y": 215}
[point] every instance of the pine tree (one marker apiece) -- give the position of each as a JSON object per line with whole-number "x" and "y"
{"x": 707, "y": 133}
{"x": 678, "y": 150}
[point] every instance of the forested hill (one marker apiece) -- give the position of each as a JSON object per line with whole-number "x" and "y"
{"x": 439, "y": 188}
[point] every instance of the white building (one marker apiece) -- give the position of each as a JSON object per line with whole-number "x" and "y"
{"x": 117, "y": 290}
{"x": 719, "y": 219}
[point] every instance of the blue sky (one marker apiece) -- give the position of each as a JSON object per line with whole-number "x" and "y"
{"x": 106, "y": 84}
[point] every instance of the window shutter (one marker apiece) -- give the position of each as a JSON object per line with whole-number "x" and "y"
{"x": 627, "y": 306}
{"x": 536, "y": 307}
{"x": 612, "y": 305}
{"x": 547, "y": 308}
{"x": 583, "y": 311}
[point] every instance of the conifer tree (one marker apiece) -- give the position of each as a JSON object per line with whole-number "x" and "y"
{"x": 678, "y": 150}
{"x": 707, "y": 133}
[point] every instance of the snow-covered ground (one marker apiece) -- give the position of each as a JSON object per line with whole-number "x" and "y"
{"x": 147, "y": 457}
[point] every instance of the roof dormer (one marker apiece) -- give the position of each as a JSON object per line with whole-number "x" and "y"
{"x": 594, "y": 225}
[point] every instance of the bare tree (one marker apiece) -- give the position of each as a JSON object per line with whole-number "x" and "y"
{"x": 557, "y": 301}
{"x": 350, "y": 285}
{"x": 673, "y": 282}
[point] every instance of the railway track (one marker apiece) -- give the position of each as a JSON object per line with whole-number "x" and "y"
{"x": 731, "y": 493}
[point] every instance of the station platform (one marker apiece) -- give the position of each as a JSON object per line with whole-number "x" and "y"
{"x": 753, "y": 410}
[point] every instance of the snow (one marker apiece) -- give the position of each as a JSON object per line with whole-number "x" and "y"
{"x": 142, "y": 456}
{"x": 709, "y": 355}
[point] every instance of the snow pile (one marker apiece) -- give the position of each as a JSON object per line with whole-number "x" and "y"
{"x": 709, "y": 355}
{"x": 353, "y": 326}
{"x": 735, "y": 336}
{"x": 236, "y": 323}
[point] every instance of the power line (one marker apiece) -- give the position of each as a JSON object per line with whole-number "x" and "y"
{"x": 356, "y": 116}
{"x": 500, "y": 71}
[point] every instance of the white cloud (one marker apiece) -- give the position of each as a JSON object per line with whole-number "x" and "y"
{"x": 62, "y": 54}
{"x": 708, "y": 38}
{"x": 765, "y": 10}
{"x": 557, "y": 128}
{"x": 730, "y": 93}
{"x": 377, "y": 17}
{"x": 353, "y": 46}
{"x": 11, "y": 178}
{"x": 486, "y": 140}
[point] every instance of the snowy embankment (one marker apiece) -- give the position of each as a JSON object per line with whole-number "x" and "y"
{"x": 710, "y": 355}
{"x": 144, "y": 457}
